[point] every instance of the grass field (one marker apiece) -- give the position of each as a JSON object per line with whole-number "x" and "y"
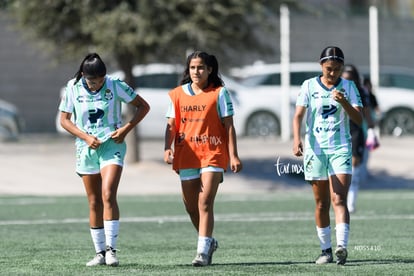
{"x": 270, "y": 234}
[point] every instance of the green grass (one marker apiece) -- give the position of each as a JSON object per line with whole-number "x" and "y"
{"x": 258, "y": 235}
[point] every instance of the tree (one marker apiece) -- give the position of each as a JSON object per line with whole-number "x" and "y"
{"x": 129, "y": 32}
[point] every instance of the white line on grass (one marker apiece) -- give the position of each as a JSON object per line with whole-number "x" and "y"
{"x": 259, "y": 217}
{"x": 26, "y": 201}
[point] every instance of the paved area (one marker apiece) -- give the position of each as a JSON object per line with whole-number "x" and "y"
{"x": 44, "y": 165}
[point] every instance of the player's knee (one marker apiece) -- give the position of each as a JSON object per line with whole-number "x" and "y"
{"x": 323, "y": 205}
{"x": 192, "y": 210}
{"x": 95, "y": 204}
{"x": 205, "y": 205}
{"x": 108, "y": 198}
{"x": 339, "y": 200}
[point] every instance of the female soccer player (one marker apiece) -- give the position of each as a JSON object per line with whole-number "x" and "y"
{"x": 95, "y": 99}
{"x": 200, "y": 125}
{"x": 329, "y": 102}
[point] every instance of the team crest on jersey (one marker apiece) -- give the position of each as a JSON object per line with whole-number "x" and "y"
{"x": 108, "y": 94}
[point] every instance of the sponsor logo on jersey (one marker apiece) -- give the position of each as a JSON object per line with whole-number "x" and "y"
{"x": 328, "y": 110}
{"x": 95, "y": 115}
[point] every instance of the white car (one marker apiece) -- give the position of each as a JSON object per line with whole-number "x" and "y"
{"x": 11, "y": 122}
{"x": 395, "y": 94}
{"x": 396, "y": 100}
{"x": 253, "y": 113}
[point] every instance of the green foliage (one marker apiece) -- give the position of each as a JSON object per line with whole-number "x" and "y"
{"x": 131, "y": 32}
{"x": 147, "y": 30}
{"x": 4, "y": 4}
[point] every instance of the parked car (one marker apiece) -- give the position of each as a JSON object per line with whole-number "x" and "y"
{"x": 11, "y": 121}
{"x": 396, "y": 100}
{"x": 253, "y": 115}
{"x": 395, "y": 93}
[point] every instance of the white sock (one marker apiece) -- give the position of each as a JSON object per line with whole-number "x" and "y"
{"x": 203, "y": 245}
{"x": 98, "y": 238}
{"x": 353, "y": 188}
{"x": 342, "y": 234}
{"x": 324, "y": 235}
{"x": 111, "y": 232}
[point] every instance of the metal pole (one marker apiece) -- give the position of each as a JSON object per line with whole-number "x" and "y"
{"x": 374, "y": 47}
{"x": 285, "y": 72}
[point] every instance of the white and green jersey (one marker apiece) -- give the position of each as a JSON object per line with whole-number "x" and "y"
{"x": 327, "y": 123}
{"x": 96, "y": 113}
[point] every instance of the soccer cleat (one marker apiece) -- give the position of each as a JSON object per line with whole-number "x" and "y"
{"x": 110, "y": 257}
{"x": 203, "y": 259}
{"x": 341, "y": 254}
{"x": 200, "y": 260}
{"x": 99, "y": 259}
{"x": 326, "y": 257}
{"x": 213, "y": 247}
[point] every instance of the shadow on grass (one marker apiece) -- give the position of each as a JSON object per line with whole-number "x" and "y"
{"x": 348, "y": 263}
{"x": 251, "y": 264}
{"x": 262, "y": 263}
{"x": 383, "y": 180}
{"x": 377, "y": 262}
{"x": 288, "y": 172}
{"x": 361, "y": 262}
{"x": 275, "y": 171}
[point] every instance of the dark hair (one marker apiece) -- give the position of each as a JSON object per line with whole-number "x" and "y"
{"x": 91, "y": 66}
{"x": 332, "y": 53}
{"x": 367, "y": 81}
{"x": 211, "y": 61}
{"x": 354, "y": 75}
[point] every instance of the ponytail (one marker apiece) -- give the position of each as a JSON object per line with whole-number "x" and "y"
{"x": 91, "y": 66}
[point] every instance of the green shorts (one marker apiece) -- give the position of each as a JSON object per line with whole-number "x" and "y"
{"x": 90, "y": 161}
{"x": 321, "y": 166}
{"x": 189, "y": 174}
